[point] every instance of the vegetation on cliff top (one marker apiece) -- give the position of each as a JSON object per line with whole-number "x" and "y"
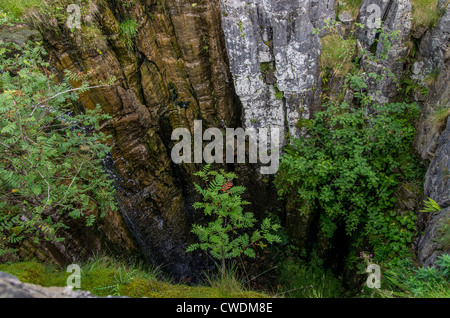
{"x": 51, "y": 151}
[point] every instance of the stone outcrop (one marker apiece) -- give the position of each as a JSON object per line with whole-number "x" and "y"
{"x": 12, "y": 287}
{"x": 433, "y": 60}
{"x": 434, "y": 44}
{"x": 273, "y": 57}
{"x": 437, "y": 187}
{"x": 395, "y": 16}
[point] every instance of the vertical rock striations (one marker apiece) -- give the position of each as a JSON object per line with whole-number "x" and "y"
{"x": 170, "y": 65}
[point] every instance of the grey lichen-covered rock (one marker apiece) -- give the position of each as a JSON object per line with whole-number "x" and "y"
{"x": 428, "y": 130}
{"x": 437, "y": 179}
{"x": 12, "y": 287}
{"x": 276, "y": 34}
{"x": 345, "y": 17}
{"x": 433, "y": 61}
{"x": 320, "y": 11}
{"x": 434, "y": 48}
{"x": 429, "y": 247}
{"x": 394, "y": 17}
{"x": 18, "y": 34}
{"x": 437, "y": 187}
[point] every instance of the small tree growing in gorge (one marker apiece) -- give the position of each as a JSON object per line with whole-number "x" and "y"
{"x": 50, "y": 163}
{"x": 225, "y": 237}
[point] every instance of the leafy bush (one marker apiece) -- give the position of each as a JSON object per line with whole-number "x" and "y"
{"x": 352, "y": 158}
{"x": 50, "y": 153}
{"x": 348, "y": 166}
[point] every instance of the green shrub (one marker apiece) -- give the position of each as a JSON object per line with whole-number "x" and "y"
{"x": 348, "y": 167}
{"x": 350, "y": 161}
{"x": 51, "y": 152}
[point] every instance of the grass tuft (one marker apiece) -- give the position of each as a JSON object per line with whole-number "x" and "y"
{"x": 350, "y": 6}
{"x": 18, "y": 8}
{"x": 439, "y": 117}
{"x": 128, "y": 31}
{"x": 337, "y": 53}
{"x": 425, "y": 13}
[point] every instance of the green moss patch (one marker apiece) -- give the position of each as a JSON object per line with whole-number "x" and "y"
{"x": 425, "y": 13}
{"x": 105, "y": 277}
{"x": 337, "y": 53}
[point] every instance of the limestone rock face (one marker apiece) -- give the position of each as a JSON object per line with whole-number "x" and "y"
{"x": 395, "y": 16}
{"x": 433, "y": 138}
{"x": 273, "y": 57}
{"x": 437, "y": 187}
{"x": 434, "y": 46}
{"x": 434, "y": 58}
{"x": 429, "y": 248}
